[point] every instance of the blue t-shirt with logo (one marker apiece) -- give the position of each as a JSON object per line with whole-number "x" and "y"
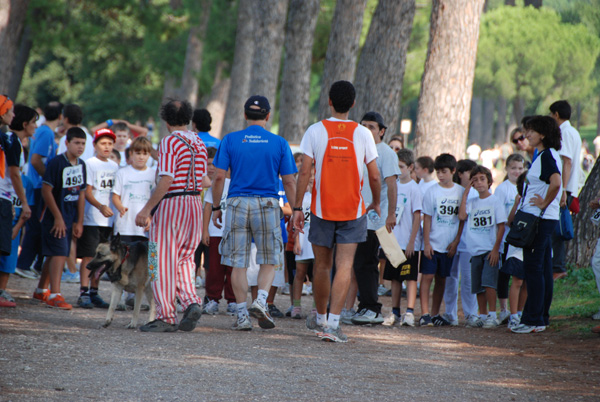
{"x": 256, "y": 158}
{"x": 44, "y": 145}
{"x": 209, "y": 140}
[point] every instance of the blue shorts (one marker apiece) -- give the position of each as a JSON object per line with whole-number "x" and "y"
{"x": 440, "y": 265}
{"x": 53, "y": 246}
{"x": 8, "y": 263}
{"x": 513, "y": 267}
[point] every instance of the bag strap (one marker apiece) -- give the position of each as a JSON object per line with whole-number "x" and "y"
{"x": 192, "y": 169}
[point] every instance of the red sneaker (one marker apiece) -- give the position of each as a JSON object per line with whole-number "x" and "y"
{"x": 59, "y": 302}
{"x": 6, "y": 300}
{"x": 42, "y": 296}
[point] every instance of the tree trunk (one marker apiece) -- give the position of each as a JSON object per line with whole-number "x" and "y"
{"x": 21, "y": 62}
{"x": 170, "y": 90}
{"x": 476, "y": 123}
{"x": 269, "y": 22}
{"x": 218, "y": 100}
{"x": 489, "y": 107}
{"x": 240, "y": 70}
{"x": 598, "y": 119}
{"x": 193, "y": 55}
{"x": 501, "y": 122}
{"x": 382, "y": 62}
{"x": 342, "y": 49}
{"x": 12, "y": 23}
{"x": 509, "y": 2}
{"x": 534, "y": 3}
{"x": 578, "y": 113}
{"x": 518, "y": 109}
{"x": 447, "y": 83}
{"x": 295, "y": 82}
{"x": 581, "y": 248}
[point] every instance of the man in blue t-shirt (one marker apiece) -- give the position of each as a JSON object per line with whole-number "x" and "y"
{"x": 256, "y": 158}
{"x": 42, "y": 149}
{"x": 201, "y": 124}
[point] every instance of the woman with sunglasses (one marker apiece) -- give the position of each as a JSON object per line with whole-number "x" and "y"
{"x": 517, "y": 137}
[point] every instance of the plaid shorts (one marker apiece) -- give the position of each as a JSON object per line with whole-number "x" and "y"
{"x": 250, "y": 218}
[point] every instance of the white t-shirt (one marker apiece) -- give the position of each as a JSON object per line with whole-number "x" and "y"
{"x": 506, "y": 192}
{"x": 442, "y": 205}
{"x": 134, "y": 187}
{"x": 481, "y": 227}
{"x": 387, "y": 163}
{"x": 463, "y": 247}
{"x": 425, "y": 186}
{"x": 88, "y": 152}
{"x": 214, "y": 231}
{"x": 542, "y": 168}
{"x": 571, "y": 148}
{"x": 410, "y": 200}
{"x": 101, "y": 176}
{"x": 305, "y": 246}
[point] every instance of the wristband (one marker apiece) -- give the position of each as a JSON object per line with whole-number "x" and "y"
{"x": 216, "y": 208}
{"x": 299, "y": 209}
{"x": 109, "y": 123}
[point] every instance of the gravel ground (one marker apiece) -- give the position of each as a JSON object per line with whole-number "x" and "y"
{"x": 48, "y": 354}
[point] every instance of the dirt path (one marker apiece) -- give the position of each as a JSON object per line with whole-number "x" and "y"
{"x": 47, "y": 354}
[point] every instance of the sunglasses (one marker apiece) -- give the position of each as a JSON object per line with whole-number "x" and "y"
{"x": 516, "y": 140}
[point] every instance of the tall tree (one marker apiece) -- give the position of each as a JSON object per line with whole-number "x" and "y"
{"x": 534, "y": 3}
{"x": 476, "y": 121}
{"x": 447, "y": 83}
{"x": 241, "y": 68}
{"x": 269, "y": 24}
{"x": 12, "y": 23}
{"x": 382, "y": 62}
{"x": 295, "y": 81}
{"x": 218, "y": 100}
{"x": 501, "y": 122}
{"x": 340, "y": 60}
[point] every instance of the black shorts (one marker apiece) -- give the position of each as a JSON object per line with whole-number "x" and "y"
{"x": 133, "y": 238}
{"x": 407, "y": 271}
{"x": 91, "y": 237}
{"x": 6, "y": 218}
{"x": 53, "y": 246}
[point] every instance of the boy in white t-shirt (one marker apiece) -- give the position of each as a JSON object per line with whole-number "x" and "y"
{"x": 97, "y": 220}
{"x": 441, "y": 233}
{"x": 408, "y": 233}
{"x": 484, "y": 232}
{"x": 424, "y": 172}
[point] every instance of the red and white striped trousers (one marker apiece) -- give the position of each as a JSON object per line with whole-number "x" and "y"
{"x": 175, "y": 233}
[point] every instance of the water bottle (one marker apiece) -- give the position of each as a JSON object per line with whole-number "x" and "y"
{"x": 372, "y": 215}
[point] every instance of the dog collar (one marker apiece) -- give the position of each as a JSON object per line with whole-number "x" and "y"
{"x": 126, "y": 255}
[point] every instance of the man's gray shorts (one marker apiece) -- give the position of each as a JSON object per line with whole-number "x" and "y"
{"x": 327, "y": 233}
{"x": 483, "y": 275}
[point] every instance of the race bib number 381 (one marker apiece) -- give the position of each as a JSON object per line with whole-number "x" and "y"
{"x": 481, "y": 219}
{"x": 72, "y": 176}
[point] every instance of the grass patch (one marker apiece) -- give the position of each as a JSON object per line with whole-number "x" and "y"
{"x": 575, "y": 300}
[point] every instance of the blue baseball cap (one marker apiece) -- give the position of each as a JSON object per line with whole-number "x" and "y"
{"x": 260, "y": 103}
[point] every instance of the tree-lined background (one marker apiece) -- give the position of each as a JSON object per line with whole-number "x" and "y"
{"x": 463, "y": 71}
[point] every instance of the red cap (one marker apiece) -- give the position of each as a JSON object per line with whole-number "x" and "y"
{"x": 104, "y": 132}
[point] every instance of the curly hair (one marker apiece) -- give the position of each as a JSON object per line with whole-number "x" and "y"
{"x": 176, "y": 112}
{"x": 548, "y": 127}
{"x": 342, "y": 95}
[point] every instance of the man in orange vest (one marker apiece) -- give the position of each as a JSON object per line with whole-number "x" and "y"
{"x": 339, "y": 149}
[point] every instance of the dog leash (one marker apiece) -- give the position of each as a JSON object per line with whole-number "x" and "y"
{"x": 126, "y": 255}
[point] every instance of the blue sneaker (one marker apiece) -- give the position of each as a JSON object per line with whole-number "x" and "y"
{"x": 85, "y": 301}
{"x": 69, "y": 277}
{"x": 98, "y": 302}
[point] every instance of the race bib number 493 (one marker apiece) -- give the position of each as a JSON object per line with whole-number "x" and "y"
{"x": 72, "y": 176}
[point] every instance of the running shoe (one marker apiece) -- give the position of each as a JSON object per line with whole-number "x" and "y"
{"x": 98, "y": 302}
{"x": 311, "y": 322}
{"x": 333, "y": 335}
{"x": 286, "y": 289}
{"x": 242, "y": 324}
{"x": 408, "y": 320}
{"x": 474, "y": 321}
{"x": 70, "y": 277}
{"x": 304, "y": 290}
{"x": 231, "y": 309}
{"x": 212, "y": 308}
{"x": 288, "y": 312}
{"x": 260, "y": 312}
{"x": 159, "y": 326}
{"x": 6, "y": 300}
{"x": 367, "y": 317}
{"x": 390, "y": 320}
{"x": 440, "y": 321}
{"x": 27, "y": 273}
{"x": 84, "y": 301}
{"x": 199, "y": 282}
{"x": 426, "y": 321}
{"x": 527, "y": 329}
{"x": 453, "y": 321}
{"x": 490, "y": 322}
{"x": 190, "y": 317}
{"x": 503, "y": 317}
{"x": 347, "y": 315}
{"x": 382, "y": 290}
{"x": 42, "y": 297}
{"x": 58, "y": 302}
{"x": 513, "y": 322}
{"x": 296, "y": 313}
{"x": 274, "y": 311}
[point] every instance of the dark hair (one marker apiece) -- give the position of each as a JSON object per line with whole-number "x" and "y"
{"x": 521, "y": 183}
{"x": 75, "y": 132}
{"x": 298, "y": 155}
{"x": 73, "y": 113}
{"x": 478, "y": 169}
{"x": 548, "y": 127}
{"x": 211, "y": 152}
{"x": 445, "y": 161}
{"x": 202, "y": 120}
{"x": 514, "y": 158}
{"x": 120, "y": 127}
{"x": 563, "y": 109}
{"x": 23, "y": 114}
{"x": 406, "y": 155}
{"x": 53, "y": 110}
{"x": 140, "y": 144}
{"x": 463, "y": 165}
{"x": 342, "y": 95}
{"x": 117, "y": 154}
{"x": 176, "y": 113}
{"x": 401, "y": 140}
{"x": 426, "y": 163}
{"x": 128, "y": 153}
{"x": 524, "y": 120}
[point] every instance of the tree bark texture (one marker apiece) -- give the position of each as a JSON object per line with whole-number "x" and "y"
{"x": 218, "y": 100}
{"x": 598, "y": 119}
{"x": 518, "y": 109}
{"x": 270, "y": 16}
{"x": 447, "y": 83}
{"x": 170, "y": 91}
{"x": 193, "y": 55}
{"x": 295, "y": 81}
{"x": 475, "y": 123}
{"x": 20, "y": 63}
{"x": 583, "y": 245}
{"x": 489, "y": 107}
{"x": 240, "y": 70}
{"x": 534, "y": 3}
{"x": 382, "y": 62}
{"x": 12, "y": 23}
{"x": 502, "y": 108}
{"x": 342, "y": 49}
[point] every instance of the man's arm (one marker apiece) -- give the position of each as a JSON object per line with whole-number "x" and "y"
{"x": 392, "y": 195}
{"x": 566, "y": 175}
{"x": 38, "y": 164}
{"x": 375, "y": 185}
{"x": 289, "y": 185}
{"x": 217, "y": 192}
{"x": 15, "y": 177}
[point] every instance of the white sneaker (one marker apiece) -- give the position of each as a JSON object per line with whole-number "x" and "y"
{"x": 309, "y": 289}
{"x": 490, "y": 322}
{"x": 211, "y": 308}
{"x": 27, "y": 273}
{"x": 304, "y": 290}
{"x": 513, "y": 322}
{"x": 286, "y": 289}
{"x": 408, "y": 320}
{"x": 596, "y": 316}
{"x": 474, "y": 321}
{"x": 527, "y": 329}
{"x": 453, "y": 321}
{"x": 503, "y": 317}
{"x": 367, "y": 317}
{"x": 346, "y": 316}
{"x": 390, "y": 320}
{"x": 199, "y": 282}
{"x": 231, "y": 309}
{"x": 242, "y": 324}
{"x": 381, "y": 290}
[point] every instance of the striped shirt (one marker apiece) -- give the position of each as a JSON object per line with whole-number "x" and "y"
{"x": 174, "y": 158}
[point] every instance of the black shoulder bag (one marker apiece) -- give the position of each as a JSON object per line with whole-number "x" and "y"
{"x": 524, "y": 227}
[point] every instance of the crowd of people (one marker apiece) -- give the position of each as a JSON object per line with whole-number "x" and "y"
{"x": 260, "y": 217}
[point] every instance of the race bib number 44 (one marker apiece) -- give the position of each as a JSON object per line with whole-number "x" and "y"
{"x": 72, "y": 176}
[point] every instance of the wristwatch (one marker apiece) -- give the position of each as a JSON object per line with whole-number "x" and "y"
{"x": 216, "y": 208}
{"x": 299, "y": 209}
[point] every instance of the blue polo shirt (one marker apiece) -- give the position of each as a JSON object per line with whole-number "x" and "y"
{"x": 256, "y": 158}
{"x": 44, "y": 145}
{"x": 209, "y": 140}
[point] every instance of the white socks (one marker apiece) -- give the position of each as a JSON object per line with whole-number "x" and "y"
{"x": 242, "y": 310}
{"x": 262, "y": 297}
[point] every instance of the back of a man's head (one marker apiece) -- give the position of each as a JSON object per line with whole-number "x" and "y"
{"x": 202, "y": 120}
{"x": 563, "y": 109}
{"x": 176, "y": 113}
{"x": 342, "y": 95}
{"x": 53, "y": 110}
{"x": 73, "y": 113}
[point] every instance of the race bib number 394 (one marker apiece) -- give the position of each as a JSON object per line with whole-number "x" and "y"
{"x": 72, "y": 176}
{"x": 447, "y": 206}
